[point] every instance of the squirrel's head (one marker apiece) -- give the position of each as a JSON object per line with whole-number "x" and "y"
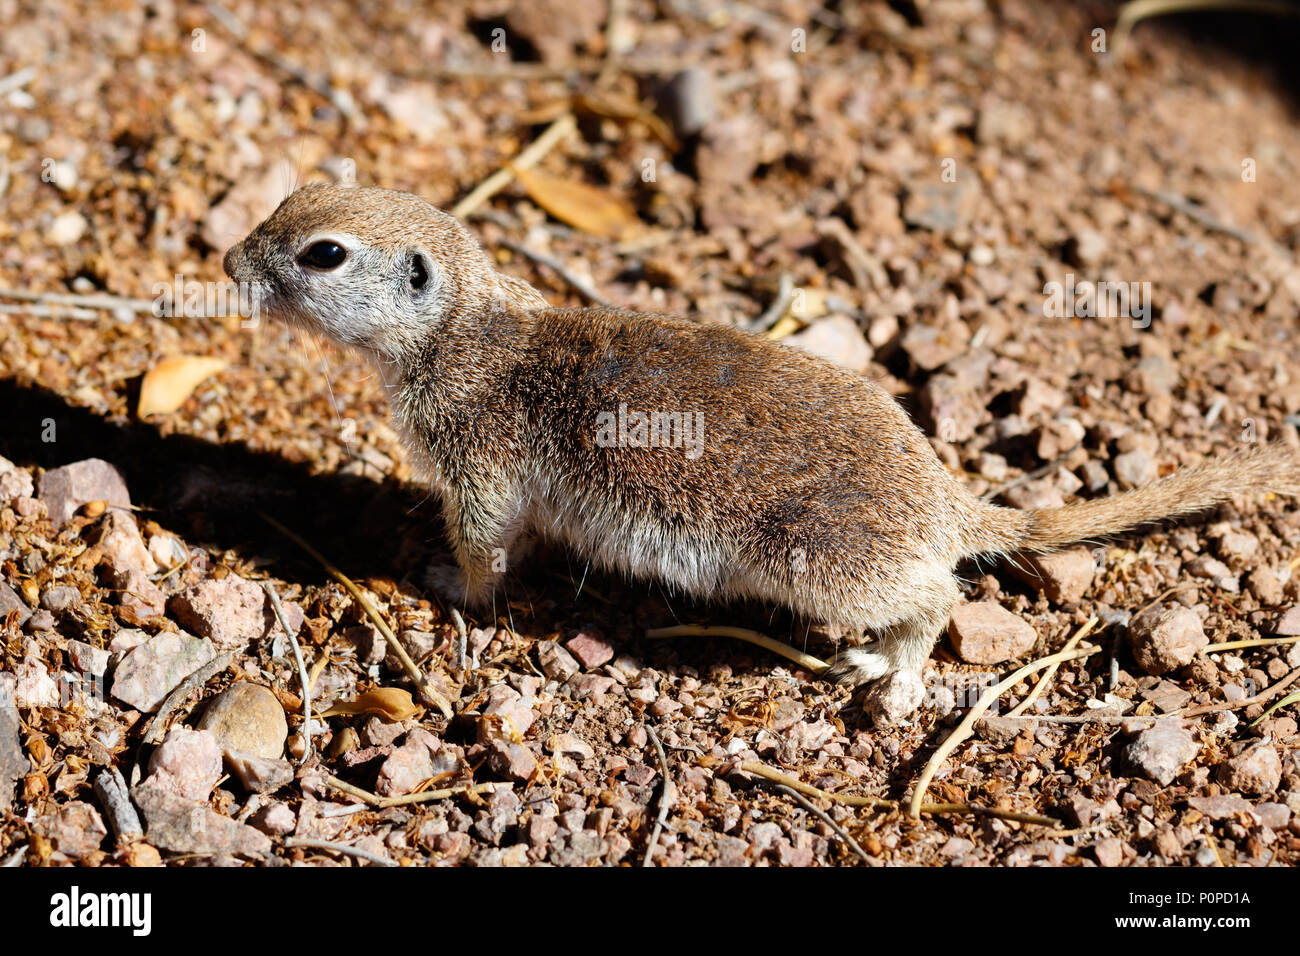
{"x": 373, "y": 268}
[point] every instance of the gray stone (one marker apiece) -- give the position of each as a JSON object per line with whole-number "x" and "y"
{"x": 1162, "y": 750}
{"x": 178, "y": 825}
{"x": 13, "y": 761}
{"x": 259, "y": 774}
{"x": 985, "y": 632}
{"x": 10, "y": 601}
{"x": 1164, "y": 639}
{"x": 149, "y": 672}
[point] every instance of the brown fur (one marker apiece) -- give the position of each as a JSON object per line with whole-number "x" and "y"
{"x": 814, "y": 490}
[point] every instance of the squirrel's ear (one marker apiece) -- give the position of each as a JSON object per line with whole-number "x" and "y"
{"x": 519, "y": 293}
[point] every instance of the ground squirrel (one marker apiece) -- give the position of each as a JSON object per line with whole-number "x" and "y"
{"x": 717, "y": 462}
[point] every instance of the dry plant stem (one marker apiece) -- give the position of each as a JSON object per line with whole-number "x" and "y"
{"x": 153, "y": 732}
{"x": 964, "y": 728}
{"x": 116, "y": 801}
{"x": 1254, "y": 642}
{"x": 1043, "y": 681}
{"x": 807, "y": 661}
{"x": 663, "y": 796}
{"x": 50, "y": 312}
{"x": 583, "y": 287}
{"x": 94, "y": 300}
{"x": 426, "y": 796}
{"x": 822, "y": 815}
{"x": 778, "y": 307}
{"x": 762, "y": 770}
{"x": 1131, "y": 13}
{"x": 529, "y": 157}
{"x": 303, "y": 680}
{"x": 330, "y": 847}
{"x": 1260, "y": 698}
{"x": 425, "y": 688}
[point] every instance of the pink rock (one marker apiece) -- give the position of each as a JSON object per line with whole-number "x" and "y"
{"x": 66, "y": 489}
{"x": 557, "y": 663}
{"x": 75, "y": 829}
{"x": 511, "y": 759}
{"x": 506, "y": 714}
{"x": 590, "y": 649}
{"x": 231, "y": 611}
{"x": 985, "y": 632}
{"x": 837, "y": 339}
{"x": 276, "y": 819}
{"x": 892, "y": 698}
{"x": 406, "y": 767}
{"x": 187, "y": 762}
{"x": 123, "y": 546}
{"x": 1064, "y": 576}
{"x": 1257, "y": 770}
{"x": 1164, "y": 639}
{"x": 140, "y": 593}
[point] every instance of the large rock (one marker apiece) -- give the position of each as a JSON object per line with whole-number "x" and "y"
{"x": 1064, "y": 576}
{"x": 187, "y": 762}
{"x": 837, "y": 339}
{"x": 248, "y": 718}
{"x": 231, "y": 611}
{"x": 150, "y": 671}
{"x": 1162, "y": 750}
{"x": 1257, "y": 770}
{"x": 1164, "y": 639}
{"x": 179, "y": 825}
{"x": 66, "y": 489}
{"x": 985, "y": 632}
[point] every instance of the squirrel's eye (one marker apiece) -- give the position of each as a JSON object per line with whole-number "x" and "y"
{"x": 323, "y": 255}
{"x": 419, "y": 273}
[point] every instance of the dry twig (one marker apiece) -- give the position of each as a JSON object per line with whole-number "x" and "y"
{"x": 985, "y": 702}
{"x": 663, "y": 796}
{"x": 426, "y": 689}
{"x": 529, "y": 157}
{"x": 303, "y": 680}
{"x": 331, "y": 847}
{"x": 806, "y": 661}
{"x": 1070, "y": 645}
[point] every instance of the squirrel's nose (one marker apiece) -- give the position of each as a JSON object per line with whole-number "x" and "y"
{"x": 233, "y": 260}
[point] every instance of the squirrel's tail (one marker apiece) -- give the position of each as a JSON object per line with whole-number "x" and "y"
{"x": 1262, "y": 469}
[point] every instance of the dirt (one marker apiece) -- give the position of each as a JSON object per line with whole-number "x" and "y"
{"x": 974, "y": 154}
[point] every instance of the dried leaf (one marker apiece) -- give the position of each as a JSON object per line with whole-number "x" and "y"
{"x": 390, "y": 703}
{"x": 584, "y": 207}
{"x": 170, "y": 382}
